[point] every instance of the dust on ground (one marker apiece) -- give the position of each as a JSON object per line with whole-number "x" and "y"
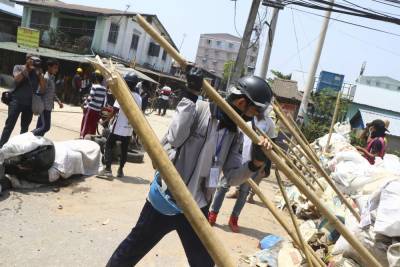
{"x": 82, "y": 223}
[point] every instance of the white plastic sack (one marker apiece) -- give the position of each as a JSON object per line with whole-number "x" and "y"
{"x": 75, "y": 157}
{"x": 393, "y": 255}
{"x": 21, "y": 144}
{"x": 388, "y": 214}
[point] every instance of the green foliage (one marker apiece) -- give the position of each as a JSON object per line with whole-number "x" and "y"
{"x": 319, "y": 116}
{"x": 228, "y": 71}
{"x": 355, "y": 139}
{"x": 280, "y": 75}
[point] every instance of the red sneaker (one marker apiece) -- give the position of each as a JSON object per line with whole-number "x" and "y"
{"x": 233, "y": 224}
{"x": 212, "y": 217}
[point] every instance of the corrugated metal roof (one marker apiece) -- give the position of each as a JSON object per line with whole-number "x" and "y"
{"x": 286, "y": 89}
{"x": 46, "y": 52}
{"x": 377, "y": 97}
{"x": 74, "y": 8}
{"x": 394, "y": 126}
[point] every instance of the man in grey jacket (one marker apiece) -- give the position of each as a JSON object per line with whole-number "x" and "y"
{"x": 201, "y": 141}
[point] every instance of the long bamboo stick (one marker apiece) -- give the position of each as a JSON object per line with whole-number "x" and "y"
{"x": 334, "y": 118}
{"x": 293, "y": 218}
{"x": 282, "y": 155}
{"x": 316, "y": 163}
{"x": 168, "y": 171}
{"x": 312, "y": 175}
{"x": 281, "y": 165}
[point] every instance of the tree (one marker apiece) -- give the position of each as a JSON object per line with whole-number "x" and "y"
{"x": 280, "y": 75}
{"x": 319, "y": 116}
{"x": 228, "y": 71}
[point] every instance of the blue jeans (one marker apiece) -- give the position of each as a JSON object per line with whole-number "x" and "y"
{"x": 43, "y": 123}
{"x": 223, "y": 187}
{"x": 14, "y": 109}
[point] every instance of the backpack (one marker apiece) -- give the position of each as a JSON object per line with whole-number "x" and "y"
{"x": 159, "y": 195}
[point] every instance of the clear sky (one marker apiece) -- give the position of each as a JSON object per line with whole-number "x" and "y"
{"x": 345, "y": 49}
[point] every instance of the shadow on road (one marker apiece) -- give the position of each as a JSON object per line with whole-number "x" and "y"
{"x": 245, "y": 231}
{"x": 133, "y": 180}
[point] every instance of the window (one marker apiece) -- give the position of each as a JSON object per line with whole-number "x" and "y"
{"x": 40, "y": 20}
{"x": 154, "y": 50}
{"x": 164, "y": 55}
{"x": 230, "y": 45}
{"x": 208, "y": 41}
{"x": 378, "y": 83}
{"x": 368, "y": 82}
{"x": 218, "y": 43}
{"x": 113, "y": 34}
{"x": 135, "y": 41}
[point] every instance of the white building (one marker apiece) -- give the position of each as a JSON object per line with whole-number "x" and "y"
{"x": 215, "y": 49}
{"x": 83, "y": 29}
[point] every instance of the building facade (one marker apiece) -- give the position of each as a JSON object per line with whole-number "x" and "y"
{"x": 215, "y": 49}
{"x": 377, "y": 97}
{"x": 87, "y": 30}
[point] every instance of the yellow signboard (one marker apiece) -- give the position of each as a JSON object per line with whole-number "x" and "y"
{"x": 28, "y": 37}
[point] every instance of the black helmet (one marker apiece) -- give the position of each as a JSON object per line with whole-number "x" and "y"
{"x": 256, "y": 89}
{"x": 96, "y": 77}
{"x": 131, "y": 79}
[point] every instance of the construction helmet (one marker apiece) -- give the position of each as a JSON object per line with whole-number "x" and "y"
{"x": 256, "y": 90}
{"x": 79, "y": 70}
{"x": 131, "y": 79}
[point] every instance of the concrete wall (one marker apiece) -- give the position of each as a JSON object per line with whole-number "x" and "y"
{"x": 122, "y": 48}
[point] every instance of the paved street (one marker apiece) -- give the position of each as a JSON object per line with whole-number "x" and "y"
{"x": 83, "y": 223}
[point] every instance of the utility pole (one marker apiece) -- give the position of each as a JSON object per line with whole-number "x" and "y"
{"x": 311, "y": 74}
{"x": 244, "y": 45}
{"x": 269, "y": 42}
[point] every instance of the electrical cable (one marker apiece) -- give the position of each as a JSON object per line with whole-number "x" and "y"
{"x": 297, "y": 46}
{"x": 347, "y": 22}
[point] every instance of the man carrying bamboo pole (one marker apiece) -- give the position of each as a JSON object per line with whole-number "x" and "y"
{"x": 201, "y": 142}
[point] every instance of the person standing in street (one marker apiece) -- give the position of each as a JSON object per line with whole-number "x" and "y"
{"x": 202, "y": 141}
{"x": 48, "y": 96}
{"x": 267, "y": 125}
{"x": 120, "y": 130}
{"x": 76, "y": 86}
{"x": 27, "y": 78}
{"x": 94, "y": 103}
{"x": 163, "y": 99}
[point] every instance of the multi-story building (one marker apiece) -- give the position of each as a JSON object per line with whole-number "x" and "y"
{"x": 215, "y": 49}
{"x": 83, "y": 30}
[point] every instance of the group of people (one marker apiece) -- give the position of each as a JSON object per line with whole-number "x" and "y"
{"x": 30, "y": 79}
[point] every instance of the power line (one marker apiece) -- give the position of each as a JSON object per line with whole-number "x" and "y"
{"x": 368, "y": 9}
{"x": 297, "y": 46}
{"x": 348, "y": 22}
{"x": 385, "y": 3}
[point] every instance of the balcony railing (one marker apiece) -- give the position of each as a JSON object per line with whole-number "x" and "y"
{"x": 66, "y": 41}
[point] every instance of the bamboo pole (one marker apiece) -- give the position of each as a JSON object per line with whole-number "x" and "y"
{"x": 281, "y": 165}
{"x": 316, "y": 163}
{"x": 282, "y": 155}
{"x": 281, "y": 220}
{"x": 334, "y": 118}
{"x": 168, "y": 171}
{"x": 306, "y": 167}
{"x": 293, "y": 218}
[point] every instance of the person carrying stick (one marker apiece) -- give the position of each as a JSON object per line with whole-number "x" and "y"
{"x": 201, "y": 142}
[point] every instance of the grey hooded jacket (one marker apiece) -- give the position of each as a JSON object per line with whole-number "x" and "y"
{"x": 194, "y": 134}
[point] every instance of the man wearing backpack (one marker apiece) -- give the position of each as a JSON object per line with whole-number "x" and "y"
{"x": 202, "y": 141}
{"x": 27, "y": 78}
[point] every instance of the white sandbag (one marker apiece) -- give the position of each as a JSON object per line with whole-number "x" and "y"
{"x": 75, "y": 157}
{"x": 388, "y": 213}
{"x": 21, "y": 144}
{"x": 393, "y": 255}
{"x": 343, "y": 129}
{"x": 391, "y": 162}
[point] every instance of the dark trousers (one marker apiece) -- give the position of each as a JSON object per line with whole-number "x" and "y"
{"x": 111, "y": 140}
{"x": 43, "y": 123}
{"x": 162, "y": 105}
{"x": 14, "y": 109}
{"x": 151, "y": 227}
